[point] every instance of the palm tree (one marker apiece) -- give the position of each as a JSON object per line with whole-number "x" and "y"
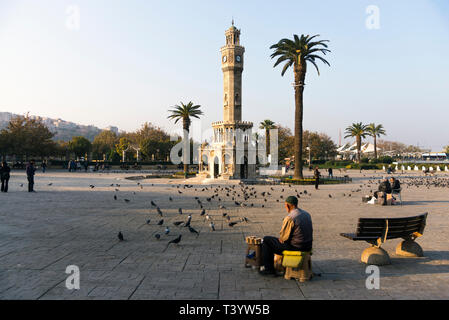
{"x": 375, "y": 131}
{"x": 297, "y": 53}
{"x": 359, "y": 131}
{"x": 184, "y": 112}
{"x": 267, "y": 125}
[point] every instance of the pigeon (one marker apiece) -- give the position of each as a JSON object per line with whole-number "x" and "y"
{"x": 231, "y": 224}
{"x": 203, "y": 212}
{"x": 330, "y": 196}
{"x": 148, "y": 221}
{"x": 115, "y": 197}
{"x": 157, "y": 236}
{"x": 91, "y": 186}
{"x": 127, "y": 200}
{"x": 224, "y": 214}
{"x": 50, "y": 184}
{"x": 21, "y": 185}
{"x": 167, "y": 230}
{"x": 153, "y": 204}
{"x": 189, "y": 218}
{"x": 193, "y": 230}
{"x": 170, "y": 198}
{"x": 180, "y": 211}
{"x": 159, "y": 211}
{"x": 177, "y": 223}
{"x": 176, "y": 240}
{"x": 160, "y": 222}
{"x": 228, "y": 217}
{"x": 120, "y": 236}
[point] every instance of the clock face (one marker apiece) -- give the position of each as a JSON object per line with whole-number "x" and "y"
{"x": 238, "y": 58}
{"x": 225, "y": 58}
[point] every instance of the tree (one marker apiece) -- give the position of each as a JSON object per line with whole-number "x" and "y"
{"x": 103, "y": 143}
{"x": 321, "y": 145}
{"x": 267, "y": 125}
{"x": 122, "y": 145}
{"x": 359, "y": 131}
{"x": 375, "y": 131}
{"x": 80, "y": 146}
{"x": 286, "y": 143}
{"x": 27, "y": 136}
{"x": 184, "y": 112}
{"x": 297, "y": 53}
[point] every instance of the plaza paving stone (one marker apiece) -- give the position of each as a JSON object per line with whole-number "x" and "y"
{"x": 68, "y": 223}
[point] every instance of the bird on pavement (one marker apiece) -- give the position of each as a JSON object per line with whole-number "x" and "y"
{"x": 120, "y": 236}
{"x": 157, "y": 236}
{"x": 193, "y": 230}
{"x": 160, "y": 222}
{"x": 175, "y": 241}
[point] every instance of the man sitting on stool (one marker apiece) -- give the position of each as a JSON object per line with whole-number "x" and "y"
{"x": 295, "y": 235}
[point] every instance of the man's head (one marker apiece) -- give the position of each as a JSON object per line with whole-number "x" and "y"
{"x": 291, "y": 203}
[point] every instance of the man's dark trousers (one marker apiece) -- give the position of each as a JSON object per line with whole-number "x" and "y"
{"x": 271, "y": 246}
{"x": 5, "y": 184}
{"x": 30, "y": 183}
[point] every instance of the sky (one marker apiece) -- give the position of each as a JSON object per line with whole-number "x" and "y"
{"x": 122, "y": 63}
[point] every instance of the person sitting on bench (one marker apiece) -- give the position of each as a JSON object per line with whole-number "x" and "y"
{"x": 296, "y": 235}
{"x": 395, "y": 184}
{"x": 384, "y": 186}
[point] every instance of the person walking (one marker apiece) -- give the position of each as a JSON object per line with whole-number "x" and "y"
{"x": 316, "y": 175}
{"x": 5, "y": 174}
{"x": 30, "y": 170}
{"x": 44, "y": 166}
{"x": 331, "y": 173}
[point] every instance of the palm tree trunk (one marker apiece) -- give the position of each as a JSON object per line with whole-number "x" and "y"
{"x": 300, "y": 74}
{"x": 185, "y": 152}
{"x": 267, "y": 142}
{"x": 375, "y": 147}
{"x": 359, "y": 148}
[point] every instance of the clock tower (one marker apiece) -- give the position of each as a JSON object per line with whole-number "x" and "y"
{"x": 232, "y": 67}
{"x": 228, "y": 155}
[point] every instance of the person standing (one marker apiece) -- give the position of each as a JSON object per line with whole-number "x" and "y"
{"x": 316, "y": 175}
{"x": 296, "y": 235}
{"x": 331, "y": 173}
{"x": 5, "y": 174}
{"x": 30, "y": 175}
{"x": 44, "y": 166}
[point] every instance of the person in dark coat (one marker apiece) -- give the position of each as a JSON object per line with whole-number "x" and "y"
{"x": 5, "y": 174}
{"x": 31, "y": 169}
{"x": 384, "y": 187}
{"x": 316, "y": 175}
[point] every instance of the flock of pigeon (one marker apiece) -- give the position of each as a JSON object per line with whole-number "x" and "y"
{"x": 225, "y": 198}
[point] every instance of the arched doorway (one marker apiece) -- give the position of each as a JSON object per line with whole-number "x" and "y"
{"x": 216, "y": 167}
{"x": 244, "y": 168}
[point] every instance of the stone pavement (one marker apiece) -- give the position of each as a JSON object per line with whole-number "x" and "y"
{"x": 69, "y": 223}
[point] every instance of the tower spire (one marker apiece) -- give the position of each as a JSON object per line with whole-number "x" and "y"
{"x": 232, "y": 21}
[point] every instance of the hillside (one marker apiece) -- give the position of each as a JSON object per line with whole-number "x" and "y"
{"x": 64, "y": 130}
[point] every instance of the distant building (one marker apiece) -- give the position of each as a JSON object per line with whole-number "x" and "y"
{"x": 113, "y": 129}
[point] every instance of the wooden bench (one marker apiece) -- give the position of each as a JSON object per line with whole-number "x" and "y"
{"x": 378, "y": 230}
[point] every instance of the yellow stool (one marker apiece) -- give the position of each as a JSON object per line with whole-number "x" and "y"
{"x": 298, "y": 265}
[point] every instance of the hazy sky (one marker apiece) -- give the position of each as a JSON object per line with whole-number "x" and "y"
{"x": 130, "y": 60}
